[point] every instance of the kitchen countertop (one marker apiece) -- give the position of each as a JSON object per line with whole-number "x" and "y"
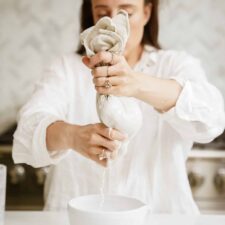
{"x": 206, "y": 154}
{"x": 56, "y": 218}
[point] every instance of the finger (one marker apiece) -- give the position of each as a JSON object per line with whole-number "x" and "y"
{"x": 110, "y": 145}
{"x": 118, "y": 136}
{"x": 100, "y": 81}
{"x": 104, "y": 71}
{"x": 96, "y": 159}
{"x": 100, "y": 71}
{"x": 114, "y": 81}
{"x": 96, "y": 150}
{"x": 104, "y": 155}
{"x": 114, "y": 90}
{"x": 104, "y": 58}
{"x": 86, "y": 61}
{"x": 112, "y": 134}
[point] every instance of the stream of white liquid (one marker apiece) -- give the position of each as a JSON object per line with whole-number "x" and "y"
{"x": 102, "y": 187}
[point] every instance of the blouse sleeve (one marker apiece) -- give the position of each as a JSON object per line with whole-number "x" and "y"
{"x": 48, "y": 104}
{"x": 199, "y": 112}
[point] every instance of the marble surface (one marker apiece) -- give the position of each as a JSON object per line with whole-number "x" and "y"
{"x": 56, "y": 218}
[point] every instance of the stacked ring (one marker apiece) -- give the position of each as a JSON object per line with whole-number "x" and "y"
{"x": 107, "y": 84}
{"x": 103, "y": 155}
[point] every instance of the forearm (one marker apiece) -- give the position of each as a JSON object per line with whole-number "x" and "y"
{"x": 59, "y": 136}
{"x": 162, "y": 94}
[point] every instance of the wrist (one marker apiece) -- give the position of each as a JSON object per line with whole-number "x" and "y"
{"x": 142, "y": 86}
{"x": 160, "y": 93}
{"x": 72, "y": 134}
{"x": 57, "y": 136}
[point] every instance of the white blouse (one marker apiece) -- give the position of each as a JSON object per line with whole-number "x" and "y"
{"x": 154, "y": 168}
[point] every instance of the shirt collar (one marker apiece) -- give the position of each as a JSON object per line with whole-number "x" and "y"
{"x": 148, "y": 58}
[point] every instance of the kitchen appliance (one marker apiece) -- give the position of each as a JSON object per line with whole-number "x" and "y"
{"x": 2, "y": 187}
{"x": 24, "y": 183}
{"x": 206, "y": 173}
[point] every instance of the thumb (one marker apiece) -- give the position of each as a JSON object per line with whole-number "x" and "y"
{"x": 86, "y": 61}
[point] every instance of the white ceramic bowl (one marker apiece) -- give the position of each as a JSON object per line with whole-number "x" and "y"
{"x": 117, "y": 210}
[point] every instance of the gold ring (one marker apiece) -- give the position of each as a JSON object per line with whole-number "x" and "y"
{"x": 103, "y": 155}
{"x": 107, "y": 84}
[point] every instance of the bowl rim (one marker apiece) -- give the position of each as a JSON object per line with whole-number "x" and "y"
{"x": 69, "y": 206}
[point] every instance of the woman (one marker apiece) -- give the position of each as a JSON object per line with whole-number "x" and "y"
{"x": 59, "y": 125}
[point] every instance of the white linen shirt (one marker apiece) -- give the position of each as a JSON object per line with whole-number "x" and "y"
{"x": 154, "y": 168}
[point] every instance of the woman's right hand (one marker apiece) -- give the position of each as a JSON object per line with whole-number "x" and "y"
{"x": 90, "y": 140}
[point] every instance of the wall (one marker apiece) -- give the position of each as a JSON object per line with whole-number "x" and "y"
{"x": 33, "y": 33}
{"x": 199, "y": 28}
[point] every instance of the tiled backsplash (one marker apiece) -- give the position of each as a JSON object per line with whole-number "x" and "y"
{"x": 32, "y": 33}
{"x": 199, "y": 28}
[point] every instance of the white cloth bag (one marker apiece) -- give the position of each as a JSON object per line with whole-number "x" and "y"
{"x": 121, "y": 113}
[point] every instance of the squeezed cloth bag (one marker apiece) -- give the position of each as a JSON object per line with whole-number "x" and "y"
{"x": 121, "y": 113}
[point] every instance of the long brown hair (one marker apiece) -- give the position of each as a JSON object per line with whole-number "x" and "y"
{"x": 151, "y": 29}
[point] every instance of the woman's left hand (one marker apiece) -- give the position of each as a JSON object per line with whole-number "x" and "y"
{"x": 121, "y": 79}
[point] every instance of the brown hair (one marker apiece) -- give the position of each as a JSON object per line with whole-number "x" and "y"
{"x": 151, "y": 29}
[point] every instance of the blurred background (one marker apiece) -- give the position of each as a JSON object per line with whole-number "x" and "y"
{"x": 34, "y": 33}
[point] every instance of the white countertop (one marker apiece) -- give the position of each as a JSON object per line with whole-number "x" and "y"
{"x": 207, "y": 154}
{"x": 56, "y": 218}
